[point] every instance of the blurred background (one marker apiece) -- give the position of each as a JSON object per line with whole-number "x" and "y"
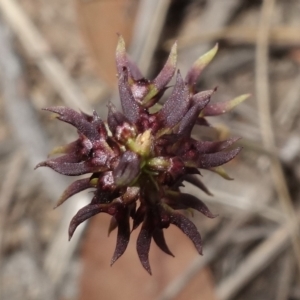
{"x": 61, "y": 52}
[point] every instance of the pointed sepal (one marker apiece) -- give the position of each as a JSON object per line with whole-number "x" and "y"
{"x": 176, "y": 105}
{"x": 132, "y": 110}
{"x": 143, "y": 247}
{"x": 122, "y": 237}
{"x": 167, "y": 72}
{"x": 76, "y": 119}
{"x": 199, "y": 65}
{"x": 159, "y": 239}
{"x": 220, "y": 108}
{"x": 188, "y": 228}
{"x": 76, "y": 187}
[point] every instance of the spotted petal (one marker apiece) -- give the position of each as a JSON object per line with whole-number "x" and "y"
{"x": 194, "y": 180}
{"x": 85, "y": 213}
{"x": 76, "y": 119}
{"x": 76, "y": 187}
{"x": 159, "y": 239}
{"x": 219, "y": 108}
{"x": 74, "y": 169}
{"x": 211, "y": 147}
{"x": 187, "y": 228}
{"x": 143, "y": 247}
{"x": 132, "y": 110}
{"x": 176, "y": 105}
{"x": 122, "y": 237}
{"x": 216, "y": 159}
{"x": 199, "y": 65}
{"x": 115, "y": 118}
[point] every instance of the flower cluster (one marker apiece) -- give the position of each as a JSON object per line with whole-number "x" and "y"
{"x": 139, "y": 158}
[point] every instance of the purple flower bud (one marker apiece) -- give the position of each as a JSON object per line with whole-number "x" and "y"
{"x": 137, "y": 165}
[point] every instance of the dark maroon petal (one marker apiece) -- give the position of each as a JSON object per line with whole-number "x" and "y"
{"x": 166, "y": 74}
{"x": 194, "y": 180}
{"x": 76, "y": 119}
{"x": 68, "y": 158}
{"x": 122, "y": 238}
{"x": 134, "y": 69}
{"x": 99, "y": 125}
{"x": 113, "y": 224}
{"x": 74, "y": 169}
{"x": 204, "y": 147}
{"x": 76, "y": 187}
{"x": 206, "y": 161}
{"x": 115, "y": 118}
{"x": 138, "y": 217}
{"x": 191, "y": 170}
{"x": 187, "y": 228}
{"x": 159, "y": 239}
{"x": 190, "y": 118}
{"x": 143, "y": 247}
{"x": 168, "y": 139}
{"x": 202, "y": 97}
{"x": 127, "y": 169}
{"x": 199, "y": 65}
{"x": 101, "y": 197}
{"x": 132, "y": 110}
{"x": 84, "y": 214}
{"x": 188, "y": 200}
{"x": 176, "y": 105}
{"x": 219, "y": 108}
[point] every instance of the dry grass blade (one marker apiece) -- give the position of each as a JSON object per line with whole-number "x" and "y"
{"x": 257, "y": 260}
{"x": 150, "y": 20}
{"x": 285, "y": 278}
{"x": 279, "y": 36}
{"x": 37, "y": 47}
{"x": 7, "y": 190}
{"x": 264, "y": 109}
{"x": 288, "y": 110}
{"x": 29, "y": 133}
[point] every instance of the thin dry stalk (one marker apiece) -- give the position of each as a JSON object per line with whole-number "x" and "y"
{"x": 289, "y": 109}
{"x": 257, "y": 260}
{"x": 279, "y": 36}
{"x": 285, "y": 278}
{"x": 7, "y": 190}
{"x": 37, "y": 48}
{"x": 265, "y": 117}
{"x": 30, "y": 134}
{"x": 149, "y": 23}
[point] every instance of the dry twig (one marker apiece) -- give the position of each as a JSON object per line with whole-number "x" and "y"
{"x": 257, "y": 260}
{"x": 29, "y": 132}
{"x": 265, "y": 118}
{"x": 279, "y": 36}
{"x": 38, "y": 48}
{"x": 7, "y": 190}
{"x": 149, "y": 23}
{"x": 285, "y": 278}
